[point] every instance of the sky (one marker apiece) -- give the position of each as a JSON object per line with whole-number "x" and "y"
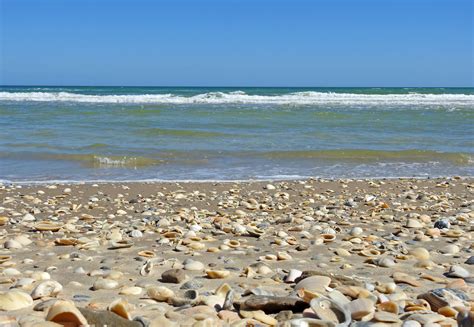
{"x": 237, "y": 43}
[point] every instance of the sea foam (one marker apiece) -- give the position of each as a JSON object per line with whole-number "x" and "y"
{"x": 239, "y": 97}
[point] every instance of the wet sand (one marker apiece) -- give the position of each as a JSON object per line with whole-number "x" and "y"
{"x": 291, "y": 253}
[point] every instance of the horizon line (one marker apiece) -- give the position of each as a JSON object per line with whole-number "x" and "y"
{"x": 222, "y": 86}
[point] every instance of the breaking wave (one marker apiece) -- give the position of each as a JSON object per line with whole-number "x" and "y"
{"x": 239, "y": 97}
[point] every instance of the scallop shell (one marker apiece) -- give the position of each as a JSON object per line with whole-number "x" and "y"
{"x": 46, "y": 288}
{"x": 217, "y": 274}
{"x": 329, "y": 310}
{"x": 120, "y": 307}
{"x": 146, "y": 254}
{"x": 65, "y": 313}
{"x": 160, "y": 293}
{"x": 45, "y": 226}
{"x": 14, "y": 300}
{"x": 123, "y": 244}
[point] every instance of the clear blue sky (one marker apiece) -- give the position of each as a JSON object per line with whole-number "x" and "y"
{"x": 237, "y": 43}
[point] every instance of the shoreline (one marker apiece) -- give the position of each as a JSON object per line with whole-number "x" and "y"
{"x": 226, "y": 181}
{"x": 236, "y": 253}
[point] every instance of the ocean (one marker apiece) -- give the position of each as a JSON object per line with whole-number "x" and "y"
{"x": 198, "y": 133}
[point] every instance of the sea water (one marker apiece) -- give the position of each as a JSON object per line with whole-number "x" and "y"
{"x": 194, "y": 133}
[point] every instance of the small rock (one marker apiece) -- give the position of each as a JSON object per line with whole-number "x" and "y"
{"x": 175, "y": 276}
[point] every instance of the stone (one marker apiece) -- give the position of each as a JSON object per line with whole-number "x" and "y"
{"x": 274, "y": 304}
{"x": 175, "y": 276}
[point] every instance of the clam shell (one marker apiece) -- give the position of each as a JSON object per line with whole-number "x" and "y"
{"x": 384, "y": 316}
{"x": 120, "y": 307}
{"x": 65, "y": 313}
{"x": 45, "y": 226}
{"x": 388, "y": 306}
{"x": 217, "y": 274}
{"x": 360, "y": 308}
{"x": 14, "y": 300}
{"x": 160, "y": 293}
{"x": 46, "y": 288}
{"x": 131, "y": 290}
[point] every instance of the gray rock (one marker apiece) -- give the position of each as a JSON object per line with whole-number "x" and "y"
{"x": 274, "y": 304}
{"x": 193, "y": 284}
{"x": 175, "y": 276}
{"x": 470, "y": 261}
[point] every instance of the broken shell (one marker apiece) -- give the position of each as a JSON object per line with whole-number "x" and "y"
{"x": 232, "y": 243}
{"x": 360, "y": 308}
{"x": 66, "y": 314}
{"x": 314, "y": 284}
{"x": 123, "y": 244}
{"x": 160, "y": 293}
{"x": 370, "y": 253}
{"x": 328, "y": 237}
{"x": 3, "y": 220}
{"x": 389, "y": 306}
{"x": 66, "y": 241}
{"x": 46, "y": 288}
{"x": 131, "y": 290}
{"x": 146, "y": 268}
{"x": 384, "y": 316}
{"x": 447, "y": 312}
{"x": 46, "y": 226}
{"x": 217, "y": 274}
{"x": 5, "y": 258}
{"x": 105, "y": 284}
{"x": 14, "y": 300}
{"x": 120, "y": 307}
{"x": 329, "y": 310}
{"x": 146, "y": 254}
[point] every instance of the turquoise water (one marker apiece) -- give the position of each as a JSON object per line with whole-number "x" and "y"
{"x": 142, "y": 133}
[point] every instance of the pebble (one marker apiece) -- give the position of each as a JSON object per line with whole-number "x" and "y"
{"x": 175, "y": 276}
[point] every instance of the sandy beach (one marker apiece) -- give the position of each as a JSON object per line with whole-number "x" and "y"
{"x": 290, "y": 253}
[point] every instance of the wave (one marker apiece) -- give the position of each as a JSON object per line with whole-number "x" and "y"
{"x": 152, "y": 132}
{"x": 356, "y": 155}
{"x": 240, "y": 97}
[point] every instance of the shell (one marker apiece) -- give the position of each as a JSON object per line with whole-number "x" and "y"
{"x": 14, "y": 300}
{"x": 388, "y": 306}
{"x": 328, "y": 237}
{"x": 384, "y": 316}
{"x": 232, "y": 243}
{"x": 160, "y": 293}
{"x": 131, "y": 290}
{"x": 329, "y": 310}
{"x": 447, "y": 312}
{"x": 123, "y": 244}
{"x": 65, "y": 313}
{"x": 217, "y": 274}
{"x": 442, "y": 297}
{"x": 105, "y": 284}
{"x": 360, "y": 308}
{"x": 3, "y": 220}
{"x": 66, "y": 241}
{"x": 146, "y": 254}
{"x": 310, "y": 322}
{"x": 147, "y": 267}
{"x": 46, "y": 226}
{"x": 314, "y": 284}
{"x": 5, "y": 258}
{"x": 369, "y": 253}
{"x": 120, "y": 307}
{"x": 46, "y": 288}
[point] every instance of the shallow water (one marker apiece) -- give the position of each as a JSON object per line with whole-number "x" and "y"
{"x": 110, "y": 133}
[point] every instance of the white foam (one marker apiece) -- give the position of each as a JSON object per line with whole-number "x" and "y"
{"x": 239, "y": 97}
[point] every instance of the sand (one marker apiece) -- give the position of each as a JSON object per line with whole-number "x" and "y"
{"x": 237, "y": 253}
